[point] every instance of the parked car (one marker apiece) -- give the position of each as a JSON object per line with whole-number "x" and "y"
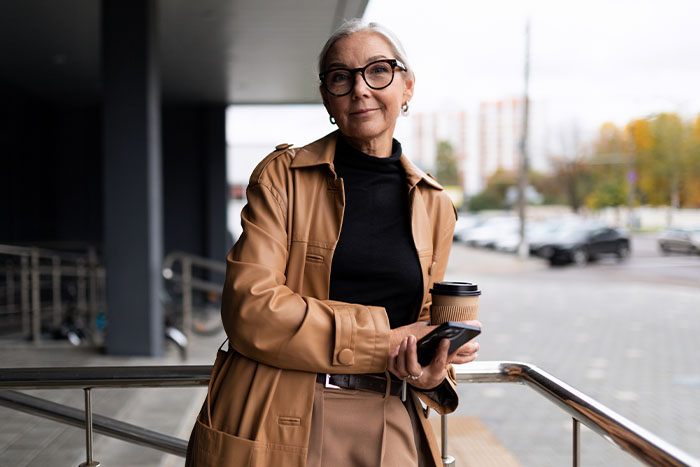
{"x": 489, "y": 231}
{"x": 465, "y": 222}
{"x": 536, "y": 232}
{"x": 680, "y": 240}
{"x": 580, "y": 245}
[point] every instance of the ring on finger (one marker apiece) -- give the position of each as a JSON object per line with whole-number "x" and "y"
{"x": 413, "y": 378}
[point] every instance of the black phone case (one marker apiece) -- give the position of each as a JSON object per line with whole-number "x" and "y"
{"x": 457, "y": 333}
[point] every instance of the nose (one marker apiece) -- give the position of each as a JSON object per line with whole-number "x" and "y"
{"x": 359, "y": 86}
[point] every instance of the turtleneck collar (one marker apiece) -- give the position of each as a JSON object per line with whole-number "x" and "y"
{"x": 349, "y": 156}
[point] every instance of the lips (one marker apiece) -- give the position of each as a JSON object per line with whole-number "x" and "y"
{"x": 361, "y": 112}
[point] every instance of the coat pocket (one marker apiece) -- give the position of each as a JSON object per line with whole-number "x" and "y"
{"x": 213, "y": 448}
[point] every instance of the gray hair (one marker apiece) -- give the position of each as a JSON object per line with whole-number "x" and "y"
{"x": 351, "y": 26}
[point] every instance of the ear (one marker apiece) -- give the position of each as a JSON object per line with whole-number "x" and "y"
{"x": 409, "y": 83}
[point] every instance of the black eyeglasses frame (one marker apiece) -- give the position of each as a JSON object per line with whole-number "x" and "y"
{"x": 394, "y": 63}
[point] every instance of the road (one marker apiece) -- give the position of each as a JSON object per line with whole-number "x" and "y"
{"x": 623, "y": 333}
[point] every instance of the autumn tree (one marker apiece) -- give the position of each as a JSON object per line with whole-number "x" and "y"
{"x": 609, "y": 165}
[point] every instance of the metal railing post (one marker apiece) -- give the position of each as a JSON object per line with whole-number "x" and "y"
{"x": 56, "y": 289}
{"x": 36, "y": 297}
{"x": 81, "y": 304}
{"x": 10, "y": 280}
{"x": 576, "y": 443}
{"x": 24, "y": 296}
{"x": 90, "y": 462}
{"x": 447, "y": 460}
{"x": 186, "y": 300}
{"x": 92, "y": 294}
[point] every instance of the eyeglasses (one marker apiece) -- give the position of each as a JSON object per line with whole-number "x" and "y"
{"x": 378, "y": 75}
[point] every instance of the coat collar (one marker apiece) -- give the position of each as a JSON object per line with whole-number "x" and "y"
{"x": 322, "y": 152}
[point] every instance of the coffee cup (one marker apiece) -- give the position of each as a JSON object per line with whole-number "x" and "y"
{"x": 454, "y": 301}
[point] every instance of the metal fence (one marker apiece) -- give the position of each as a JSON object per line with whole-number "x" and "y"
{"x": 635, "y": 440}
{"x": 51, "y": 293}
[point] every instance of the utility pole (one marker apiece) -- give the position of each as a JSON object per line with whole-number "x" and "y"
{"x": 524, "y": 164}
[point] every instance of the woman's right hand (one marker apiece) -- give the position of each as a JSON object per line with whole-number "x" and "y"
{"x": 403, "y": 359}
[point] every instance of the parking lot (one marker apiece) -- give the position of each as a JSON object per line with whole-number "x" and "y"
{"x": 623, "y": 332}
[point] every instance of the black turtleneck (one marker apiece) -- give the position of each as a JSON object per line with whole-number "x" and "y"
{"x": 375, "y": 261}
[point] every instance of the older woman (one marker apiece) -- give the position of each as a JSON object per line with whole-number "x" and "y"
{"x": 326, "y": 290}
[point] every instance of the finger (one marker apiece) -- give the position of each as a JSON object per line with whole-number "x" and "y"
{"x": 468, "y": 349}
{"x": 440, "y": 359}
{"x": 401, "y": 359}
{"x": 412, "y": 365}
{"x": 459, "y": 359}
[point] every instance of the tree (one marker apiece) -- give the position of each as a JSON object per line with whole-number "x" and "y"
{"x": 689, "y": 165}
{"x": 494, "y": 195}
{"x": 571, "y": 174}
{"x": 608, "y": 167}
{"x": 446, "y": 165}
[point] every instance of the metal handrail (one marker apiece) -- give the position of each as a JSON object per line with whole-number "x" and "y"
{"x": 630, "y": 437}
{"x": 190, "y": 283}
{"x": 100, "y": 424}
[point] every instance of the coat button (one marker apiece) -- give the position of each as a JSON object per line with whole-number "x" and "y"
{"x": 345, "y": 356}
{"x": 279, "y": 147}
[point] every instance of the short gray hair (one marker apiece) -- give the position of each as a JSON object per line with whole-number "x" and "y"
{"x": 351, "y": 26}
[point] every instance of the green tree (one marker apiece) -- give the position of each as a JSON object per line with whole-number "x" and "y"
{"x": 446, "y": 165}
{"x": 608, "y": 168}
{"x": 494, "y": 195}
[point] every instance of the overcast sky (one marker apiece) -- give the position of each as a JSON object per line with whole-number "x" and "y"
{"x": 591, "y": 61}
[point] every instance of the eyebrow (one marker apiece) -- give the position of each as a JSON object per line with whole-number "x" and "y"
{"x": 343, "y": 65}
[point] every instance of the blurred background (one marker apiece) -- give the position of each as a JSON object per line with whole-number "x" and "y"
{"x": 566, "y": 133}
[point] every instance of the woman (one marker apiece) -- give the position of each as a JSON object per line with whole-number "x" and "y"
{"x": 326, "y": 290}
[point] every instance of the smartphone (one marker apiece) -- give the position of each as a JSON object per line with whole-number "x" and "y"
{"x": 457, "y": 333}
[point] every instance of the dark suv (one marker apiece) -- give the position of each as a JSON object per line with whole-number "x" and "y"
{"x": 584, "y": 244}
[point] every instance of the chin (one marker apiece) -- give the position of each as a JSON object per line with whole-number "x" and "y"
{"x": 363, "y": 132}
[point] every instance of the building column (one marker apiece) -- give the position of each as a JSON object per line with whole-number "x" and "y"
{"x": 133, "y": 218}
{"x": 217, "y": 238}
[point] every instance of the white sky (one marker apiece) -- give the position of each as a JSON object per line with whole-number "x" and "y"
{"x": 591, "y": 62}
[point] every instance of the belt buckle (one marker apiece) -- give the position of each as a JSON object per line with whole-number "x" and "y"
{"x": 328, "y": 383}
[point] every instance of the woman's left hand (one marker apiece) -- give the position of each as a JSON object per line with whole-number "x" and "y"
{"x": 403, "y": 362}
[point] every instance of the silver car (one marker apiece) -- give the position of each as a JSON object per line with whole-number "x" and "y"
{"x": 682, "y": 240}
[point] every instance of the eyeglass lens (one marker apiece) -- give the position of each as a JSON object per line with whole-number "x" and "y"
{"x": 377, "y": 75}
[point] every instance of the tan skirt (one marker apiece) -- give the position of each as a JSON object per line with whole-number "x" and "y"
{"x": 356, "y": 428}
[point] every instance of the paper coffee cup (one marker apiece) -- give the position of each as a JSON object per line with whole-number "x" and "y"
{"x": 454, "y": 301}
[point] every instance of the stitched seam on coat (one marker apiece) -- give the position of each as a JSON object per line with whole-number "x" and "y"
{"x": 278, "y": 198}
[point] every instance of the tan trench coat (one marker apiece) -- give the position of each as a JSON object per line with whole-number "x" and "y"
{"x": 283, "y": 330}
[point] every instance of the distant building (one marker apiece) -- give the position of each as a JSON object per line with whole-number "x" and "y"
{"x": 485, "y": 139}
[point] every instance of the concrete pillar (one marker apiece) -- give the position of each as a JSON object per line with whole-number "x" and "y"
{"x": 133, "y": 232}
{"x": 217, "y": 239}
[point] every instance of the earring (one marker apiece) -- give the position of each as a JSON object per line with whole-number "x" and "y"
{"x": 404, "y": 109}
{"x": 330, "y": 117}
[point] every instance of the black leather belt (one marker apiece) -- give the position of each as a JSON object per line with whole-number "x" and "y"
{"x": 361, "y": 382}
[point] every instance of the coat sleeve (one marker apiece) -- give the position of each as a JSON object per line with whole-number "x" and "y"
{"x": 268, "y": 322}
{"x": 443, "y": 399}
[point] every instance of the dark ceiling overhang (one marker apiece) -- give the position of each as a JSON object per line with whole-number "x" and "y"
{"x": 222, "y": 51}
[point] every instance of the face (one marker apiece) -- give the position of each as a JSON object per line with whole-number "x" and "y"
{"x": 366, "y": 116}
